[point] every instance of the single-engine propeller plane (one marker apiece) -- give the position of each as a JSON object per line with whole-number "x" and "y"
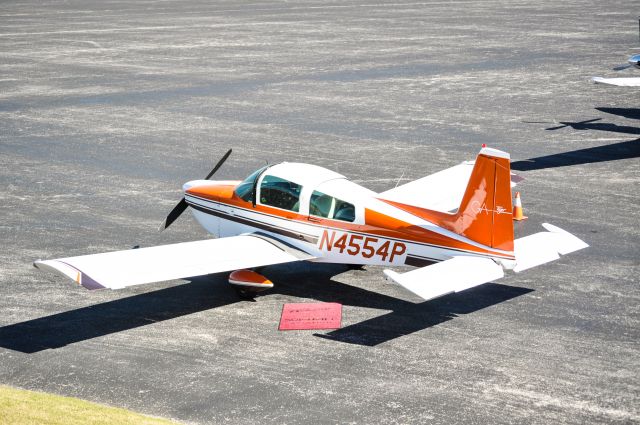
{"x": 454, "y": 226}
{"x": 632, "y": 62}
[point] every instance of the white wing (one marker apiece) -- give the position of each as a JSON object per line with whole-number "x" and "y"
{"x": 460, "y": 273}
{"x": 120, "y": 269}
{"x": 622, "y": 82}
{"x": 447, "y": 277}
{"x": 442, "y": 191}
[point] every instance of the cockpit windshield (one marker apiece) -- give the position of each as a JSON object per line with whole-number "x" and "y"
{"x": 245, "y": 189}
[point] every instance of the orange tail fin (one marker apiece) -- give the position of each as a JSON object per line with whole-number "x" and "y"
{"x": 485, "y": 213}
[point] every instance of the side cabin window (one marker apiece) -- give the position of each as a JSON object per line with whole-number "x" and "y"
{"x": 280, "y": 193}
{"x": 329, "y": 207}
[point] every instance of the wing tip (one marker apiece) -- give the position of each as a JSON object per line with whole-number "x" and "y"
{"x": 571, "y": 243}
{"x": 68, "y": 271}
{"x": 494, "y": 153}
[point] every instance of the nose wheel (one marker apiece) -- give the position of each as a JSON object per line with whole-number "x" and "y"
{"x": 248, "y": 283}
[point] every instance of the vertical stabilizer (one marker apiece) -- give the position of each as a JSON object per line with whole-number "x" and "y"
{"x": 485, "y": 213}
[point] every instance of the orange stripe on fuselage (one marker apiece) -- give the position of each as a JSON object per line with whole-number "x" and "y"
{"x": 384, "y": 225}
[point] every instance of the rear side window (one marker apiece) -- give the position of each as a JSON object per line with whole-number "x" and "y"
{"x": 326, "y": 206}
{"x": 280, "y": 193}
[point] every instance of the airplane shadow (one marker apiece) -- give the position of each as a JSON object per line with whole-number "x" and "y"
{"x": 613, "y": 152}
{"x": 58, "y": 330}
{"x": 598, "y": 126}
{"x": 405, "y": 317}
{"x": 209, "y": 292}
{"x": 631, "y": 113}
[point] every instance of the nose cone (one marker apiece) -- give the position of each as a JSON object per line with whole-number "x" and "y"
{"x": 195, "y": 183}
{"x": 210, "y": 189}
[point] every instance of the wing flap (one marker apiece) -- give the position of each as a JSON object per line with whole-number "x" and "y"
{"x": 120, "y": 269}
{"x": 544, "y": 247}
{"x": 449, "y": 276}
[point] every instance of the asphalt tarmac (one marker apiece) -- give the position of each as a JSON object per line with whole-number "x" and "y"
{"x": 107, "y": 107}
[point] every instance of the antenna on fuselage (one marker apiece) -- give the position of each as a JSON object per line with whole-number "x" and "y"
{"x": 398, "y": 182}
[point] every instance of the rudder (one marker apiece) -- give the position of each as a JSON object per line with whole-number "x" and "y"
{"x": 485, "y": 213}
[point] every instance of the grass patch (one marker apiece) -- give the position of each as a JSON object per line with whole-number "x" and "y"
{"x": 21, "y": 407}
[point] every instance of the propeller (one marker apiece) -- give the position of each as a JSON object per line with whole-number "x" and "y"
{"x": 634, "y": 61}
{"x": 182, "y": 205}
{"x": 621, "y": 67}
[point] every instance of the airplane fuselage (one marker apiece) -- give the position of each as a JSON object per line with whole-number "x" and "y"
{"x": 372, "y": 231}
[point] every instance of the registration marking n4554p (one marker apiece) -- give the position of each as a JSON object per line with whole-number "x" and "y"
{"x": 356, "y": 245}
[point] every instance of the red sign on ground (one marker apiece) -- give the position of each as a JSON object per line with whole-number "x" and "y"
{"x": 311, "y": 316}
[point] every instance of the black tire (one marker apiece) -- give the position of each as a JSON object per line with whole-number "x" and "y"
{"x": 245, "y": 294}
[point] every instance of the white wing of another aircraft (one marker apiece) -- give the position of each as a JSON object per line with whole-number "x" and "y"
{"x": 120, "y": 269}
{"x": 622, "y": 82}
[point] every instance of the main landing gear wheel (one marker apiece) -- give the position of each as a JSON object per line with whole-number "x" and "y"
{"x": 245, "y": 294}
{"x": 248, "y": 283}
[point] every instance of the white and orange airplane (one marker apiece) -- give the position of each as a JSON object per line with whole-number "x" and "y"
{"x": 454, "y": 226}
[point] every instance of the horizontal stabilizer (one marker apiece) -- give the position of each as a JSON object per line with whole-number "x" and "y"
{"x": 544, "y": 247}
{"x": 441, "y": 191}
{"x": 446, "y": 277}
{"x": 120, "y": 269}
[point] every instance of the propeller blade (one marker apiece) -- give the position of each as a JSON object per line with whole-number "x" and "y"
{"x": 219, "y": 164}
{"x": 621, "y": 67}
{"x": 174, "y": 214}
{"x": 182, "y": 205}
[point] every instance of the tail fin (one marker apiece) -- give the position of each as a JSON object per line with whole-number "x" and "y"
{"x": 485, "y": 212}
